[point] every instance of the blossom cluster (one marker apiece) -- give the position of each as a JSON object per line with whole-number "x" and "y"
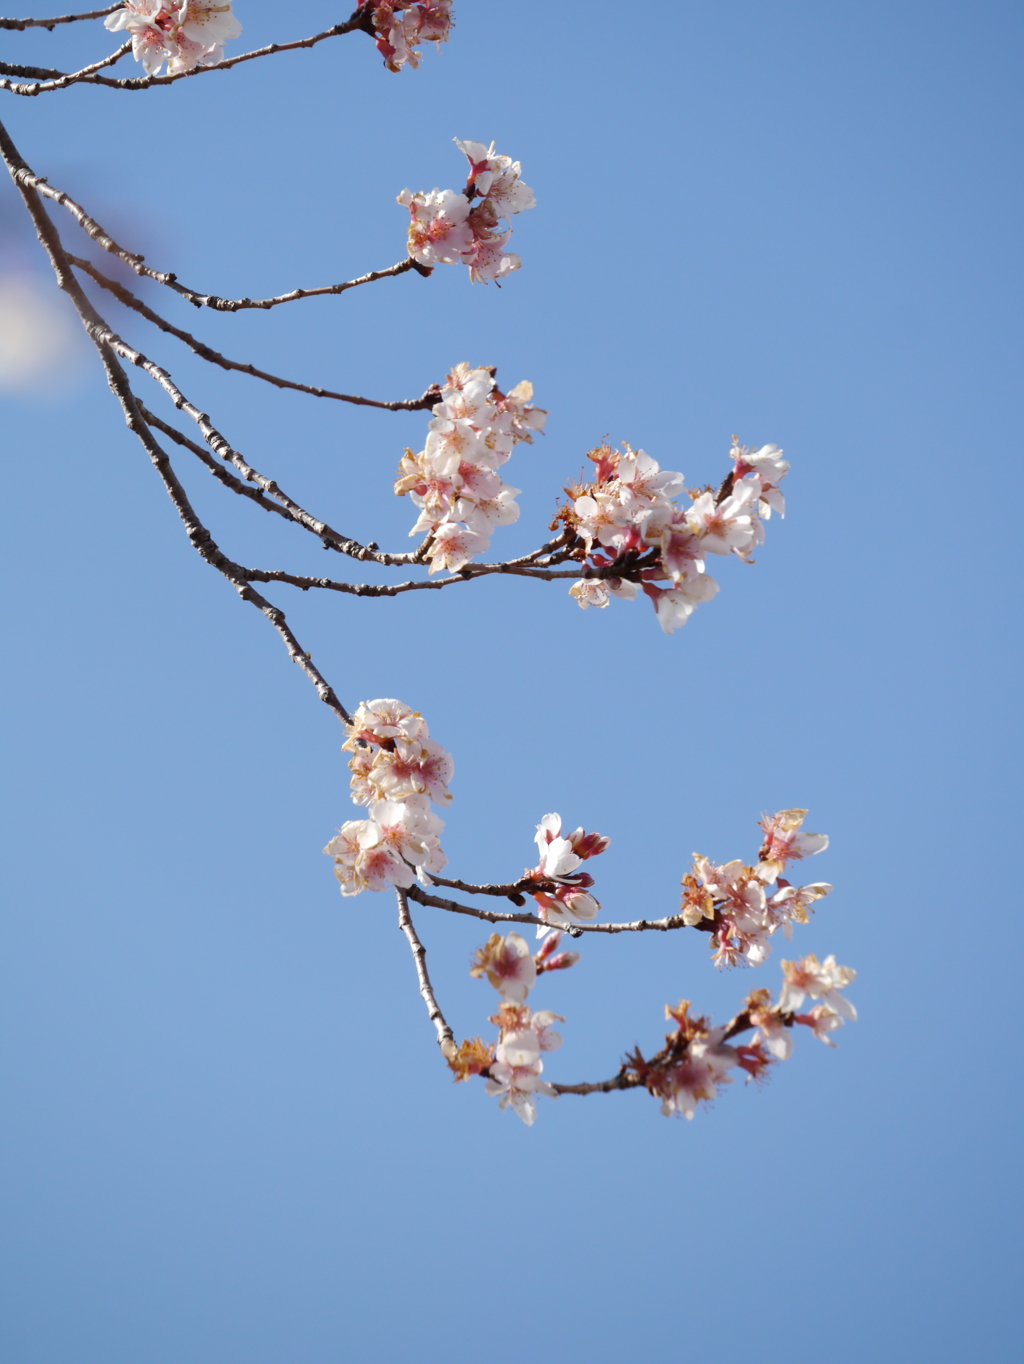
{"x": 399, "y": 27}
{"x": 454, "y": 479}
{"x": 696, "y": 1059}
{"x": 184, "y": 36}
{"x": 564, "y": 899}
{"x": 634, "y": 535}
{"x": 732, "y": 900}
{"x": 513, "y": 1064}
{"x": 397, "y": 770}
{"x": 447, "y": 227}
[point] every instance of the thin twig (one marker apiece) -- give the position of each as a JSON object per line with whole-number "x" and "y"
{"x": 36, "y": 72}
{"x": 218, "y": 470}
{"x": 63, "y": 19}
{"x": 491, "y": 916}
{"x": 628, "y": 1078}
{"x": 135, "y": 261}
{"x": 62, "y": 81}
{"x": 130, "y": 300}
{"x": 201, "y": 539}
{"x": 511, "y": 890}
{"x": 624, "y": 1080}
{"x": 445, "y": 1036}
{"x": 84, "y": 77}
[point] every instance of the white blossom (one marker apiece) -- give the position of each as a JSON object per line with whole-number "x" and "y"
{"x": 449, "y": 227}
{"x": 822, "y": 981}
{"x": 184, "y": 35}
{"x": 453, "y": 480}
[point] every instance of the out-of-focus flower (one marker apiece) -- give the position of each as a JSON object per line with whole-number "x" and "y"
{"x": 821, "y": 1020}
{"x": 819, "y": 980}
{"x": 470, "y": 1058}
{"x": 549, "y": 959}
{"x": 515, "y": 1073}
{"x": 786, "y": 842}
{"x": 37, "y": 337}
{"x": 508, "y": 965}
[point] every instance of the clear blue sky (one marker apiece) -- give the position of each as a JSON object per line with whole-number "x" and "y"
{"x": 227, "y": 1137}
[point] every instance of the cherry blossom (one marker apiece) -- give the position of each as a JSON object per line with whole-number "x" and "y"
{"x": 735, "y": 898}
{"x": 633, "y": 533}
{"x": 771, "y": 1026}
{"x": 563, "y": 896}
{"x": 822, "y": 981}
{"x": 401, "y": 25}
{"x": 184, "y": 36}
{"x": 770, "y": 468}
{"x": 693, "y": 1064}
{"x": 821, "y": 1020}
{"x": 599, "y": 591}
{"x": 508, "y": 965}
{"x": 448, "y": 227}
{"x": 515, "y": 1075}
{"x": 786, "y": 842}
{"x": 397, "y": 770}
{"x": 453, "y": 480}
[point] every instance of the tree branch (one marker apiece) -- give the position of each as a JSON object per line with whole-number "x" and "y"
{"x": 136, "y": 262}
{"x": 84, "y": 77}
{"x": 491, "y": 916}
{"x": 445, "y": 1036}
{"x": 201, "y": 539}
{"x": 61, "y": 82}
{"x": 63, "y": 19}
{"x": 130, "y": 300}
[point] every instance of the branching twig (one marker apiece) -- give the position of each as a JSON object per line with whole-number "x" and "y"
{"x": 62, "y": 81}
{"x": 201, "y": 539}
{"x": 63, "y": 19}
{"x": 136, "y": 262}
{"x": 625, "y": 1079}
{"x": 513, "y": 890}
{"x": 84, "y": 77}
{"x": 445, "y": 1036}
{"x": 491, "y": 916}
{"x": 125, "y": 296}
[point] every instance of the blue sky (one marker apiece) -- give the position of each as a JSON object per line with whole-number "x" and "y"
{"x": 226, "y": 1132}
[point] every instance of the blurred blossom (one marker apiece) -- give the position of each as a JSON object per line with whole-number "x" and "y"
{"x": 38, "y": 336}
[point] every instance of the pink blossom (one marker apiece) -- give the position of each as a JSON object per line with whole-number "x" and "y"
{"x": 821, "y": 1020}
{"x": 675, "y": 605}
{"x": 449, "y": 228}
{"x": 454, "y": 480}
{"x": 508, "y": 965}
{"x": 401, "y": 25}
{"x": 696, "y": 1078}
